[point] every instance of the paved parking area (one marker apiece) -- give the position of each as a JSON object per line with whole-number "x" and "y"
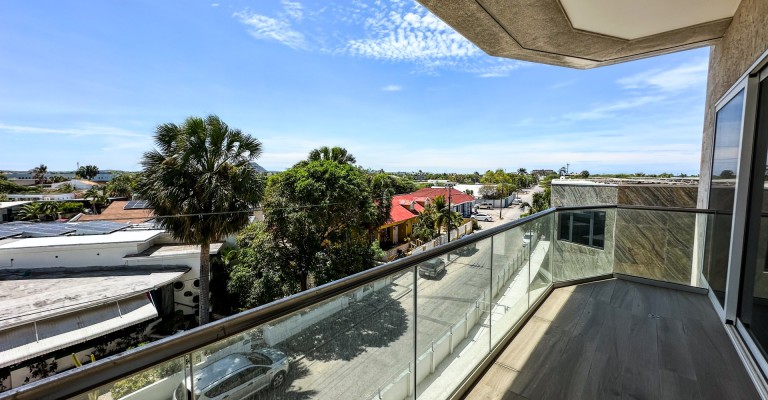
{"x": 510, "y": 213}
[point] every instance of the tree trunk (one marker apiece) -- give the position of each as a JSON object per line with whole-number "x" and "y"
{"x": 205, "y": 276}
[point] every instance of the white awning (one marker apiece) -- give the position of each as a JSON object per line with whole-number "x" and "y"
{"x": 44, "y": 336}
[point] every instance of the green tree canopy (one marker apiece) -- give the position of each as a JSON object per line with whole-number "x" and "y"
{"x": 87, "y": 171}
{"x": 122, "y": 185}
{"x": 322, "y": 214}
{"x": 200, "y": 173}
{"x": 335, "y": 154}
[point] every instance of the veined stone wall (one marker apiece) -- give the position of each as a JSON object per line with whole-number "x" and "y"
{"x": 744, "y": 41}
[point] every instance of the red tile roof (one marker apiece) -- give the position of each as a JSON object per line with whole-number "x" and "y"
{"x": 457, "y": 197}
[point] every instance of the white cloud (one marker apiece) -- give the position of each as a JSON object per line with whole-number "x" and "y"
{"x": 679, "y": 78}
{"x": 392, "y": 88}
{"x": 86, "y": 130}
{"x": 266, "y": 28}
{"x": 408, "y": 36}
{"x": 609, "y": 110}
{"x": 499, "y": 70}
{"x": 293, "y": 9}
{"x": 214, "y": 4}
{"x": 395, "y": 30}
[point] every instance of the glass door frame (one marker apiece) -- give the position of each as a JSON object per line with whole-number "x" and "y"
{"x": 746, "y": 223}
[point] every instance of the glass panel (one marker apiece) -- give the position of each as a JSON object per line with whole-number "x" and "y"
{"x": 754, "y": 314}
{"x": 326, "y": 351}
{"x": 453, "y": 319}
{"x": 541, "y": 256}
{"x": 721, "y": 193}
{"x": 655, "y": 244}
{"x": 565, "y": 226}
{"x": 165, "y": 378}
{"x": 580, "y": 229}
{"x": 572, "y": 260}
{"x": 598, "y": 229}
{"x": 511, "y": 279}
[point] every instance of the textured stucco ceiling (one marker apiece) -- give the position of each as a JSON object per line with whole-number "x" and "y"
{"x": 541, "y": 31}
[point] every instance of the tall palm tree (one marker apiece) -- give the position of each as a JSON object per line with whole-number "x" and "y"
{"x": 39, "y": 173}
{"x": 337, "y": 154}
{"x": 201, "y": 177}
{"x": 97, "y": 198}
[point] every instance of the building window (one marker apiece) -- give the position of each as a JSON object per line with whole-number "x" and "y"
{"x": 583, "y": 227}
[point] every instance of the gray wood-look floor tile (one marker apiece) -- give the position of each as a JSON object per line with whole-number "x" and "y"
{"x": 619, "y": 339}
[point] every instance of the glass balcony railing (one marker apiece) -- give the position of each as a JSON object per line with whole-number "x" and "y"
{"x": 418, "y": 327}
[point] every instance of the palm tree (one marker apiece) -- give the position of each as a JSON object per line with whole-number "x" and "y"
{"x": 97, "y": 197}
{"x": 50, "y": 209}
{"x": 337, "y": 154}
{"x": 31, "y": 212}
{"x": 200, "y": 175}
{"x": 40, "y": 172}
{"x": 445, "y": 216}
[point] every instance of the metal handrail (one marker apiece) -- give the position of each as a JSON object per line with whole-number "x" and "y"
{"x": 93, "y": 375}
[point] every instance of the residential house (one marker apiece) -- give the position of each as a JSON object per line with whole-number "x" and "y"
{"x": 405, "y": 210}
{"x": 9, "y": 209}
{"x": 77, "y": 184}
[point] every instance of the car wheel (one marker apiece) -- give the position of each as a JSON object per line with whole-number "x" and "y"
{"x": 278, "y": 380}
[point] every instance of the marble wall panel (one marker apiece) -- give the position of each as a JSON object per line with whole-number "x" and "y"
{"x": 655, "y": 244}
{"x": 564, "y": 195}
{"x": 683, "y": 196}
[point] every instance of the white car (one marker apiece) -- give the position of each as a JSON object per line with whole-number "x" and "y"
{"x": 237, "y": 376}
{"x": 483, "y": 217}
{"x": 527, "y": 238}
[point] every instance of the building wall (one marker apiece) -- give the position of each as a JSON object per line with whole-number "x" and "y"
{"x": 744, "y": 41}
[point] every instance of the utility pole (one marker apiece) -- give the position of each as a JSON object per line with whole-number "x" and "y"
{"x": 450, "y": 189}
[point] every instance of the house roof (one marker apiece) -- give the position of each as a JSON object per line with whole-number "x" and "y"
{"x": 116, "y": 212}
{"x": 457, "y": 197}
{"x": 25, "y": 244}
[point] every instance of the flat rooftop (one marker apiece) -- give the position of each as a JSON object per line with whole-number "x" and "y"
{"x": 165, "y": 250}
{"x": 619, "y": 339}
{"x": 112, "y": 238}
{"x": 33, "y": 295}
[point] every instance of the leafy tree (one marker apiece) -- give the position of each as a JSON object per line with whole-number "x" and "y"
{"x": 336, "y": 154}
{"x": 665, "y": 175}
{"x": 201, "y": 174}
{"x": 87, "y": 171}
{"x": 385, "y": 184}
{"x": 321, "y": 214}
{"x": 122, "y": 185}
{"x": 489, "y": 192}
{"x": 727, "y": 174}
{"x": 7, "y": 186}
{"x": 66, "y": 188}
{"x": 39, "y": 173}
{"x": 446, "y": 218}
{"x": 584, "y": 174}
{"x": 424, "y": 228}
{"x": 255, "y": 276}
{"x": 3, "y": 197}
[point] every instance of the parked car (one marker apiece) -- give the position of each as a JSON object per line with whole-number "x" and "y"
{"x": 432, "y": 268}
{"x": 466, "y": 251}
{"x": 486, "y": 205}
{"x": 483, "y": 217}
{"x": 237, "y": 376}
{"x": 527, "y": 238}
{"x": 517, "y": 201}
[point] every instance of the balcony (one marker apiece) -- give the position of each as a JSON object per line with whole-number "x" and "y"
{"x": 568, "y": 303}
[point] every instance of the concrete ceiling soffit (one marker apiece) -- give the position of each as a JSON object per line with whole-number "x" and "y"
{"x": 539, "y": 31}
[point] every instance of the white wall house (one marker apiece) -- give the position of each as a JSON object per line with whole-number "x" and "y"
{"x": 41, "y": 197}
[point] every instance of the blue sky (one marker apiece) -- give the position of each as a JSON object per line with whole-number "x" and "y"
{"x": 89, "y": 81}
